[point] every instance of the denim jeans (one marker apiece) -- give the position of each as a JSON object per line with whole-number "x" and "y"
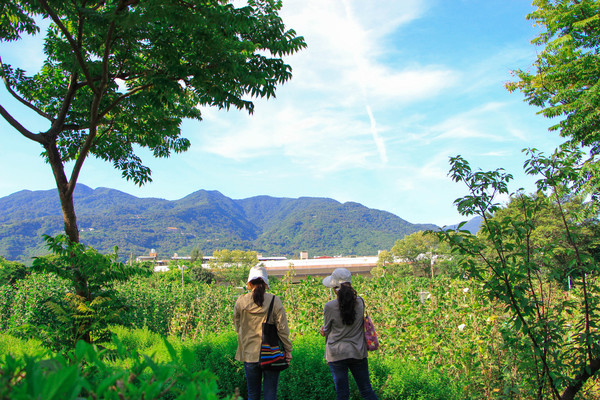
{"x": 360, "y": 372}
{"x": 256, "y": 377}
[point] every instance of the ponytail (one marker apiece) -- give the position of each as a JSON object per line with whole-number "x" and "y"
{"x": 259, "y": 287}
{"x": 347, "y": 301}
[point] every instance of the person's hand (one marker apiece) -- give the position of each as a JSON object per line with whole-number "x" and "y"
{"x": 288, "y": 356}
{"x": 322, "y": 331}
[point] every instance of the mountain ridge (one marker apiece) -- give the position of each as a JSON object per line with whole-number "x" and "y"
{"x": 206, "y": 219}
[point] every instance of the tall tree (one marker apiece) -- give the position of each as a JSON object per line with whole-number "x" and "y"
{"x": 123, "y": 74}
{"x": 565, "y": 79}
{"x": 513, "y": 263}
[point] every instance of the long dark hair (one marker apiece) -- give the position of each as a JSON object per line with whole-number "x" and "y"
{"x": 347, "y": 301}
{"x": 259, "y": 287}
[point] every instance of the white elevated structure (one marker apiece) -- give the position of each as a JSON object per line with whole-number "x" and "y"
{"x": 321, "y": 266}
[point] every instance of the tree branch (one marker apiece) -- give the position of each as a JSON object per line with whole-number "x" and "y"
{"x": 19, "y": 98}
{"x": 36, "y": 137}
{"x": 94, "y": 112}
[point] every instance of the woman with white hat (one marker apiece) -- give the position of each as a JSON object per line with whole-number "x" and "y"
{"x": 346, "y": 347}
{"x": 250, "y": 312}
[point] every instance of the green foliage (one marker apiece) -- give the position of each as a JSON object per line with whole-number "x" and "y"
{"x": 11, "y": 271}
{"x": 393, "y": 378}
{"x": 213, "y": 55}
{"x": 29, "y": 315}
{"x": 420, "y": 249}
{"x": 556, "y": 339}
{"x": 232, "y": 266}
{"x": 564, "y": 81}
{"x": 86, "y": 311}
{"x": 409, "y": 381}
{"x": 162, "y": 306}
{"x": 201, "y": 274}
{"x": 106, "y": 374}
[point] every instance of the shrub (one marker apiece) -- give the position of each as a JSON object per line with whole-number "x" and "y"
{"x": 7, "y": 296}
{"x": 11, "y": 271}
{"x": 90, "y": 372}
{"x": 200, "y": 274}
{"x": 399, "y": 380}
{"x": 31, "y": 316}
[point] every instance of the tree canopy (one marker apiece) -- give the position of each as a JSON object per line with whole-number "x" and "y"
{"x": 565, "y": 80}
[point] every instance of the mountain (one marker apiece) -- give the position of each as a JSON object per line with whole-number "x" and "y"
{"x": 471, "y": 225}
{"x": 206, "y": 219}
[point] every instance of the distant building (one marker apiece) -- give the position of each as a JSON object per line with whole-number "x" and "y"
{"x": 280, "y": 266}
{"x": 321, "y": 266}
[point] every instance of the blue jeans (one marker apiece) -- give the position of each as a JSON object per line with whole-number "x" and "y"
{"x": 256, "y": 377}
{"x": 360, "y": 372}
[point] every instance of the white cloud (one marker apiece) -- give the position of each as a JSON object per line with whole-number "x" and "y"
{"x": 317, "y": 140}
{"x": 319, "y": 118}
{"x": 474, "y": 123}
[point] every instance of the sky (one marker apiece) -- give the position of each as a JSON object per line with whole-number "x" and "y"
{"x": 385, "y": 93}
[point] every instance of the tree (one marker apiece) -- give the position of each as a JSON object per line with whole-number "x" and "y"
{"x": 232, "y": 266}
{"x": 421, "y": 249}
{"x": 123, "y": 74}
{"x": 196, "y": 255}
{"x": 561, "y": 329}
{"x": 566, "y": 76}
{"x": 547, "y": 239}
{"x": 200, "y": 274}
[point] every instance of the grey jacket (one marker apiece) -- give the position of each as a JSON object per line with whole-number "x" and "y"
{"x": 344, "y": 341}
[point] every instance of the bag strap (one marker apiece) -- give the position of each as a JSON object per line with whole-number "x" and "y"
{"x": 365, "y": 312}
{"x": 270, "y": 309}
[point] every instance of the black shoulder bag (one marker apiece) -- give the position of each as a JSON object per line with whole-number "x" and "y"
{"x": 272, "y": 356}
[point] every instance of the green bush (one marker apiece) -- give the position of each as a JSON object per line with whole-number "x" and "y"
{"x": 11, "y": 271}
{"x": 88, "y": 372}
{"x": 31, "y": 316}
{"x": 307, "y": 378}
{"x": 200, "y": 274}
{"x": 7, "y": 296}
{"x": 17, "y": 347}
{"x": 411, "y": 381}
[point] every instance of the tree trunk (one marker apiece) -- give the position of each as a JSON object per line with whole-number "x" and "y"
{"x": 65, "y": 194}
{"x": 572, "y": 390}
{"x": 69, "y": 217}
{"x": 65, "y": 191}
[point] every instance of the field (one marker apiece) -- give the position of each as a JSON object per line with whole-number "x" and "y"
{"x": 440, "y": 338}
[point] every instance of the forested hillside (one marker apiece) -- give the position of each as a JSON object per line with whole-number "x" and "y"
{"x": 204, "y": 219}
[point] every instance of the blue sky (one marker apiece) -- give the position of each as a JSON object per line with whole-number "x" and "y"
{"x": 384, "y": 94}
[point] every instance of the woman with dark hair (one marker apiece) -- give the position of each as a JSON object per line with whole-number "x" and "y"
{"x": 346, "y": 347}
{"x": 249, "y": 313}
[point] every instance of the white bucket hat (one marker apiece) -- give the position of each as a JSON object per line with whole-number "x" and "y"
{"x": 337, "y": 277}
{"x": 258, "y": 271}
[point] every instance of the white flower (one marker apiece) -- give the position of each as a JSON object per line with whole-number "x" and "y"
{"x": 466, "y": 289}
{"x": 461, "y": 327}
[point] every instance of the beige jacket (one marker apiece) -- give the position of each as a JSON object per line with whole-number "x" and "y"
{"x": 248, "y": 319}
